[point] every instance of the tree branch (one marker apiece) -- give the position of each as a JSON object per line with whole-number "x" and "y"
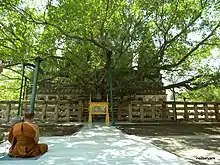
{"x": 183, "y": 83}
{"x": 167, "y": 43}
{"x": 104, "y": 20}
{"x": 18, "y": 73}
{"x": 9, "y": 78}
{"x": 68, "y": 35}
{"x": 164, "y": 67}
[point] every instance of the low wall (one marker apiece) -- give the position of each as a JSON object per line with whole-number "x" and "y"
{"x": 46, "y": 111}
{"x": 168, "y": 110}
{"x": 134, "y": 111}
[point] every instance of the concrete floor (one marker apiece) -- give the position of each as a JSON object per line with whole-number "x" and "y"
{"x": 195, "y": 142}
{"x": 99, "y": 145}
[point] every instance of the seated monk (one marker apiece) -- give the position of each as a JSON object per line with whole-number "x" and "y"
{"x": 24, "y": 137}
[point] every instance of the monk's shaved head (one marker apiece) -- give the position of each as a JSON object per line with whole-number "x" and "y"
{"x": 29, "y": 115}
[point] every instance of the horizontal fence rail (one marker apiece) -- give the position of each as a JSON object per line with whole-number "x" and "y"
{"x": 133, "y": 111}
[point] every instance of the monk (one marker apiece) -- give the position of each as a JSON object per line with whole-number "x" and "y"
{"x": 24, "y": 137}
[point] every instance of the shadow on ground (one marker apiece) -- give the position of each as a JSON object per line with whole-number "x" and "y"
{"x": 192, "y": 142}
{"x": 171, "y": 129}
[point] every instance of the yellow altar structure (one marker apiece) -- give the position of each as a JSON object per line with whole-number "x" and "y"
{"x": 98, "y": 108}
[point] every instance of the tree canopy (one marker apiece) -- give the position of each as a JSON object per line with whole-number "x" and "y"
{"x": 144, "y": 38}
{"x": 210, "y": 93}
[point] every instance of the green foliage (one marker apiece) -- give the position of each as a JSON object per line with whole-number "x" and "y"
{"x": 210, "y": 93}
{"x": 17, "y": 35}
{"x": 74, "y": 37}
{"x": 9, "y": 85}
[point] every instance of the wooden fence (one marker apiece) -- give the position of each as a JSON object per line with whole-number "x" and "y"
{"x": 46, "y": 111}
{"x": 133, "y": 111}
{"x": 168, "y": 110}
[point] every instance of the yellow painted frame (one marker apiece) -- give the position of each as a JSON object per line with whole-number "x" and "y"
{"x": 98, "y": 104}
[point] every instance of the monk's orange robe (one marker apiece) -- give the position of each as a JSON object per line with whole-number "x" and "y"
{"x": 23, "y": 144}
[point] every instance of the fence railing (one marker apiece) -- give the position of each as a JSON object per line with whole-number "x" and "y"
{"x": 133, "y": 111}
{"x": 46, "y": 111}
{"x": 168, "y": 110}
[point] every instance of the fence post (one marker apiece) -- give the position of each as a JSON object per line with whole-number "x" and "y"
{"x": 174, "y": 111}
{"x": 8, "y": 112}
{"x": 186, "y": 115}
{"x": 80, "y": 111}
{"x": 56, "y": 113}
{"x": 130, "y": 111}
{"x": 44, "y": 111}
{"x": 141, "y": 112}
{"x": 205, "y": 105}
{"x": 68, "y": 112}
{"x": 119, "y": 111}
{"x": 196, "y": 118}
{"x": 153, "y": 110}
{"x": 164, "y": 111}
{"x": 217, "y": 115}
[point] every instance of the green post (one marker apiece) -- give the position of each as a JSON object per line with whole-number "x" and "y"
{"x": 34, "y": 87}
{"x": 21, "y": 91}
{"x": 109, "y": 62}
{"x": 174, "y": 99}
{"x": 25, "y": 85}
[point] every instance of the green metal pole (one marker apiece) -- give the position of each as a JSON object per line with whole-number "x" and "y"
{"x": 174, "y": 99}
{"x": 25, "y": 85}
{"x": 21, "y": 90}
{"x": 34, "y": 87}
{"x": 109, "y": 62}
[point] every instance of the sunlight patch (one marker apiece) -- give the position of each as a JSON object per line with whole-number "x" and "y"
{"x": 77, "y": 159}
{"x": 70, "y": 145}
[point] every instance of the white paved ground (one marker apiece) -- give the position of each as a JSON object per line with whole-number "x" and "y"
{"x": 99, "y": 145}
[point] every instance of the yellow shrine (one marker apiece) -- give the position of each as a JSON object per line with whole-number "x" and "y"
{"x": 98, "y": 108}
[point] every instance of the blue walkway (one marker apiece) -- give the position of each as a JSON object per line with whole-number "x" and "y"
{"x": 100, "y": 146}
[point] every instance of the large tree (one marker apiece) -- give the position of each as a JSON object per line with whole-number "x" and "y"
{"x": 209, "y": 93}
{"x": 169, "y": 37}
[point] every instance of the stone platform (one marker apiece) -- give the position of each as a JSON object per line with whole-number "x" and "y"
{"x": 99, "y": 145}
